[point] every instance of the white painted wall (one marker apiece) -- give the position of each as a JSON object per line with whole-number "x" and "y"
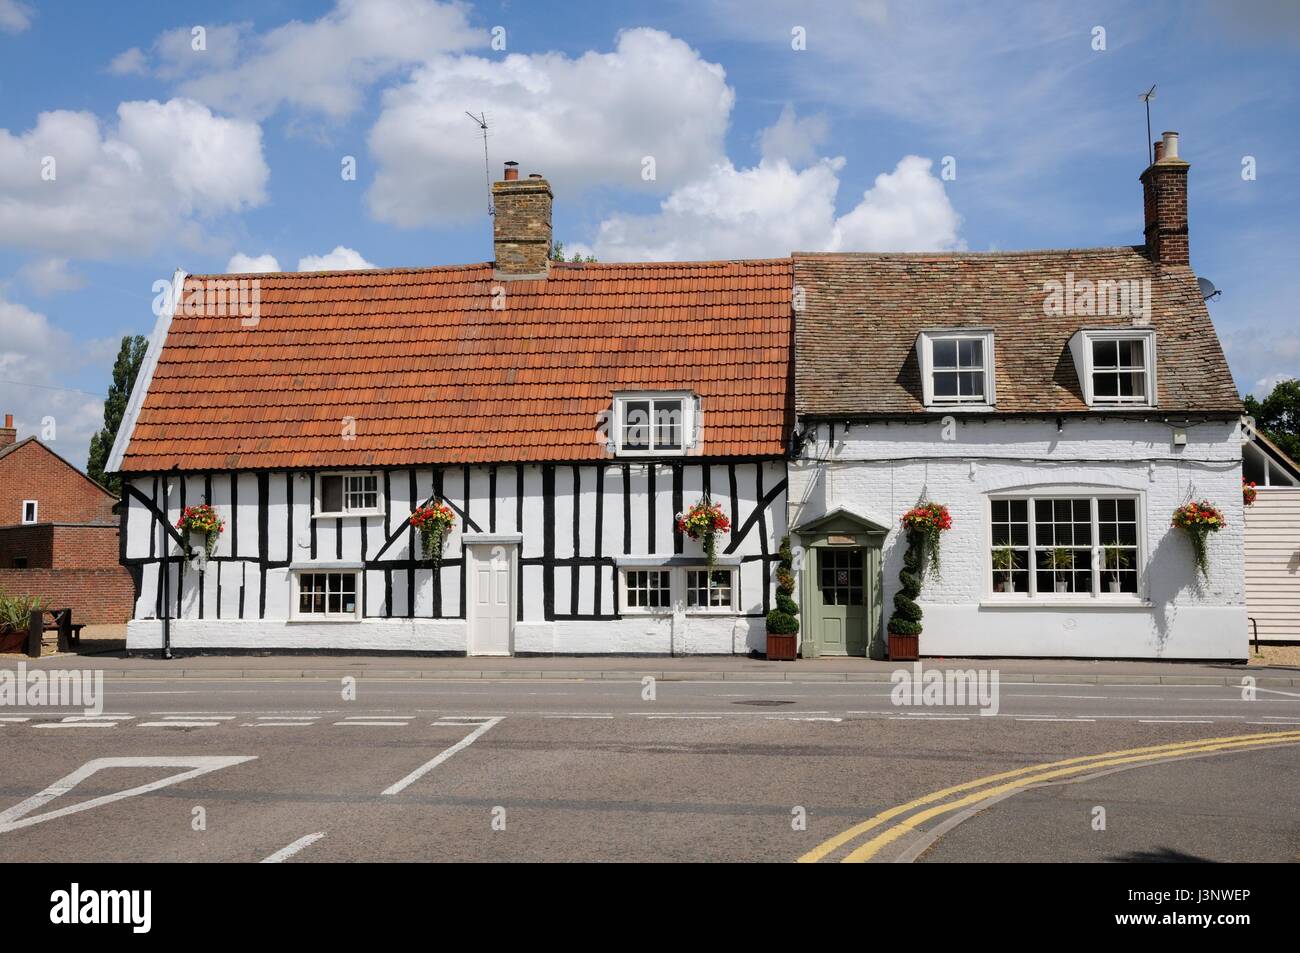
{"x": 882, "y": 470}
{"x": 205, "y": 608}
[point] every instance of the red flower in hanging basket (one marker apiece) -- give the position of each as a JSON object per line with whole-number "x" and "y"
{"x": 704, "y": 521}
{"x": 1248, "y": 492}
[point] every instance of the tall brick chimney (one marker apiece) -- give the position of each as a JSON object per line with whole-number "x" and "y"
{"x": 521, "y": 225}
{"x": 1164, "y": 200}
{"x": 7, "y": 433}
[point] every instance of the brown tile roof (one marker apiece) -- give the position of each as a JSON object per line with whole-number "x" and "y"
{"x": 433, "y": 374}
{"x": 855, "y": 337}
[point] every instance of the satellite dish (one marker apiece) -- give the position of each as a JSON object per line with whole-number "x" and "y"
{"x": 1208, "y": 290}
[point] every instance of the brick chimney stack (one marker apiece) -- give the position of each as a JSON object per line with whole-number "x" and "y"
{"x": 1164, "y": 201}
{"x": 521, "y": 225}
{"x": 7, "y": 433}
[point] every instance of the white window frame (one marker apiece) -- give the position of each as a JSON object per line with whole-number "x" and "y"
{"x": 36, "y": 510}
{"x": 378, "y": 510}
{"x": 677, "y": 588}
{"x": 925, "y": 354}
{"x": 1098, "y": 595}
{"x": 1081, "y": 346}
{"x": 710, "y": 609}
{"x": 297, "y": 615}
{"x": 689, "y": 428}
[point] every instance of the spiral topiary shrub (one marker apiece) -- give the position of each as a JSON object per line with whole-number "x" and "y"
{"x": 784, "y": 619}
{"x": 906, "y": 619}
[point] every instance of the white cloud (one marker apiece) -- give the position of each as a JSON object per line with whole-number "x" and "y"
{"x": 584, "y": 122}
{"x": 47, "y": 276}
{"x": 771, "y": 209}
{"x": 321, "y": 66}
{"x": 241, "y": 264}
{"x": 1264, "y": 386}
{"x": 129, "y": 63}
{"x": 41, "y": 356}
{"x": 340, "y": 259}
{"x": 129, "y": 187}
{"x": 14, "y": 16}
{"x": 793, "y": 139}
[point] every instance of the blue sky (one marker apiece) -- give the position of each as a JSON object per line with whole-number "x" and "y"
{"x": 169, "y": 156}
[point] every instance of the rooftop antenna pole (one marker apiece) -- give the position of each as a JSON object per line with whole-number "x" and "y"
{"x": 1146, "y": 97}
{"x": 481, "y": 121}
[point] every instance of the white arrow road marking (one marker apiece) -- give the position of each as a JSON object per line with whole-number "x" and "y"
{"x": 428, "y": 766}
{"x": 284, "y": 853}
{"x": 18, "y": 816}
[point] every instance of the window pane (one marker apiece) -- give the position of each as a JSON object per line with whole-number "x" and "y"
{"x": 1105, "y": 385}
{"x": 668, "y": 424}
{"x": 945, "y": 384}
{"x": 971, "y": 353}
{"x": 1105, "y": 354}
{"x": 945, "y": 353}
{"x": 972, "y": 383}
{"x": 331, "y": 494}
{"x": 1131, "y": 353}
{"x": 1132, "y": 384}
{"x": 636, "y": 425}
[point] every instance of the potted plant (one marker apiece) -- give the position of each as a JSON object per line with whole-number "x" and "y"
{"x": 434, "y": 521}
{"x": 1248, "y": 493}
{"x": 1114, "y": 558}
{"x": 1059, "y": 560}
{"x": 1004, "y": 560}
{"x": 203, "y": 525}
{"x": 783, "y": 621}
{"x": 15, "y": 617}
{"x": 702, "y": 523}
{"x": 922, "y": 526}
{"x": 1198, "y": 520}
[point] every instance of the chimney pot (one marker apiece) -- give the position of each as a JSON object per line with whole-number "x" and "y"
{"x": 512, "y": 171}
{"x": 9, "y": 421}
{"x": 1170, "y": 150}
{"x": 1158, "y": 148}
{"x": 8, "y": 435}
{"x": 534, "y": 175}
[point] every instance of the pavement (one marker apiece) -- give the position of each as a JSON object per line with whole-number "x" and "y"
{"x": 632, "y": 668}
{"x": 314, "y": 769}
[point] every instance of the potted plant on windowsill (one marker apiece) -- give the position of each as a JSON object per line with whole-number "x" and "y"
{"x": 1004, "y": 560}
{"x": 923, "y": 526}
{"x": 1059, "y": 560}
{"x": 783, "y": 621}
{"x": 1114, "y": 558}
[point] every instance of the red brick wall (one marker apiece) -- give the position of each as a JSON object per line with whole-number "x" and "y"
{"x": 63, "y": 493}
{"x": 85, "y": 547}
{"x": 97, "y": 596}
{"x": 34, "y": 542}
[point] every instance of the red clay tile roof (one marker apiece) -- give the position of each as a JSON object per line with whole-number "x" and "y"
{"x": 434, "y": 375}
{"x": 855, "y": 338}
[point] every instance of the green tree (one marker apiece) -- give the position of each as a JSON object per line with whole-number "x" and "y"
{"x": 129, "y": 358}
{"x": 1277, "y": 416}
{"x": 557, "y": 254}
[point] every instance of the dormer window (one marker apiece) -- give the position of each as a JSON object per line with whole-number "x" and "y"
{"x": 654, "y": 423}
{"x": 1117, "y": 367}
{"x": 956, "y": 368}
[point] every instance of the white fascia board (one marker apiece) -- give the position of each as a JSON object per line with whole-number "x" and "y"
{"x": 145, "y": 377}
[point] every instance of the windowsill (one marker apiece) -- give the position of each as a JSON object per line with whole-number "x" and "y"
{"x": 705, "y": 614}
{"x": 1064, "y": 601}
{"x": 1121, "y": 405}
{"x": 360, "y": 514}
{"x": 942, "y": 408}
{"x": 647, "y": 454}
{"x": 323, "y": 621}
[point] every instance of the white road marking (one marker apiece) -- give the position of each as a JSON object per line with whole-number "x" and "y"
{"x": 372, "y": 724}
{"x": 176, "y": 723}
{"x": 20, "y": 815}
{"x": 800, "y": 718}
{"x": 287, "y": 717}
{"x": 428, "y": 766}
{"x": 684, "y": 717}
{"x": 1054, "y": 719}
{"x": 284, "y": 853}
{"x": 1273, "y": 722}
{"x": 1174, "y": 721}
{"x": 1278, "y": 691}
{"x": 571, "y": 717}
{"x": 205, "y": 716}
{"x": 930, "y": 718}
{"x": 15, "y": 718}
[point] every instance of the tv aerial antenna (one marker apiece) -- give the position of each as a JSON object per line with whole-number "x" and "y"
{"x": 1146, "y": 98}
{"x": 481, "y": 121}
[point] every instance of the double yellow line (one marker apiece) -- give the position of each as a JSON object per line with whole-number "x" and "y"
{"x": 989, "y": 787}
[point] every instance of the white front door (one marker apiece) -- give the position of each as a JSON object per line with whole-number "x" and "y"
{"x": 491, "y": 597}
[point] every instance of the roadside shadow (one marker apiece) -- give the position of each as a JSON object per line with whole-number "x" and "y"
{"x": 1160, "y": 855}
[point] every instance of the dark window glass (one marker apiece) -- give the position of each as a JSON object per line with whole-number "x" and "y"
{"x": 331, "y": 494}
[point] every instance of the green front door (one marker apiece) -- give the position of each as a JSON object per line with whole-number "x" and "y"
{"x": 841, "y": 616}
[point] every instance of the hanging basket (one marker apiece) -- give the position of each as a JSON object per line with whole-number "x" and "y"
{"x": 702, "y": 523}
{"x": 1199, "y": 519}
{"x": 435, "y": 522}
{"x": 203, "y": 526}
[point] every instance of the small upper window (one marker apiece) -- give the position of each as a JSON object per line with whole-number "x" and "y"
{"x": 29, "y": 511}
{"x": 957, "y": 367}
{"x": 1117, "y": 368}
{"x": 654, "y": 424}
{"x": 348, "y": 494}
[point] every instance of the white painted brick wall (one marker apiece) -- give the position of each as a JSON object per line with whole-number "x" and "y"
{"x": 882, "y": 471}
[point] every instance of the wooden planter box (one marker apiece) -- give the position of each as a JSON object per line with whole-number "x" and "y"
{"x": 12, "y": 640}
{"x": 781, "y": 648}
{"x": 904, "y": 648}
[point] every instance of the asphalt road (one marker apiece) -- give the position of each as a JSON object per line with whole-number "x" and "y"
{"x": 703, "y": 771}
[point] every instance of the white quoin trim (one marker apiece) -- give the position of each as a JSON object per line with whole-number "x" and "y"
{"x": 145, "y": 377}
